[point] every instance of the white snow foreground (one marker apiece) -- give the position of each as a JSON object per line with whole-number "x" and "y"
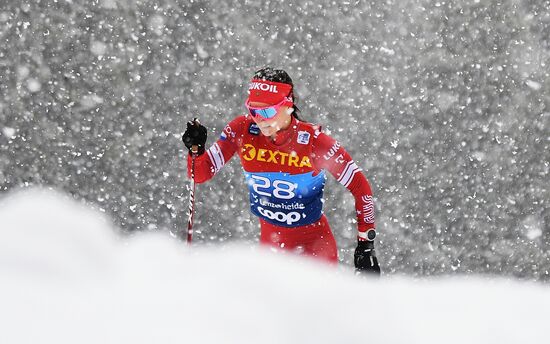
{"x": 66, "y": 277}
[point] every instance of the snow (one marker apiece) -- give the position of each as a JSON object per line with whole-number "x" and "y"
{"x": 98, "y": 48}
{"x": 9, "y": 132}
{"x": 443, "y": 104}
{"x": 23, "y": 72}
{"x": 33, "y": 85}
{"x": 109, "y": 4}
{"x": 66, "y": 276}
{"x": 156, "y": 24}
{"x": 533, "y": 84}
{"x": 90, "y": 101}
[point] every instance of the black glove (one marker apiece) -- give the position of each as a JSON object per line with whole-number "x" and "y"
{"x": 195, "y": 135}
{"x": 365, "y": 259}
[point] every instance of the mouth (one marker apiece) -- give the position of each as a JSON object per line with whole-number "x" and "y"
{"x": 266, "y": 126}
{"x": 268, "y": 130}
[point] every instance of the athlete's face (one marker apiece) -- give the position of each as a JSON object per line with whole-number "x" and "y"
{"x": 270, "y": 126}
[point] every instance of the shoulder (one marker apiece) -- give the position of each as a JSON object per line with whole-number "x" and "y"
{"x": 321, "y": 140}
{"x": 238, "y": 121}
{"x": 308, "y": 131}
{"x": 239, "y": 129}
{"x": 311, "y": 127}
{"x": 236, "y": 125}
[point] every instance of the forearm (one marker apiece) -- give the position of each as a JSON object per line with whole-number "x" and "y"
{"x": 211, "y": 161}
{"x": 364, "y": 205}
{"x": 203, "y": 170}
{"x": 207, "y": 164}
{"x": 330, "y": 155}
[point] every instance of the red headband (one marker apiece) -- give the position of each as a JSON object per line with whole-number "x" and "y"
{"x": 268, "y": 92}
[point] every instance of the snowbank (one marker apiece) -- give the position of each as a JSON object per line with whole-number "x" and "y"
{"x": 66, "y": 277}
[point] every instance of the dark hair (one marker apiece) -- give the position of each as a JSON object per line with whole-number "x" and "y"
{"x": 279, "y": 75}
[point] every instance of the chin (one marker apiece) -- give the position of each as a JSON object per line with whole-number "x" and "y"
{"x": 267, "y": 132}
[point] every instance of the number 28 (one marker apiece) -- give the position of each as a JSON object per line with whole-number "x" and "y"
{"x": 281, "y": 188}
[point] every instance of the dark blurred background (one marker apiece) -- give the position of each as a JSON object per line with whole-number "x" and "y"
{"x": 445, "y": 105}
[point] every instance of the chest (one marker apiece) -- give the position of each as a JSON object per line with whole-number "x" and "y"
{"x": 259, "y": 154}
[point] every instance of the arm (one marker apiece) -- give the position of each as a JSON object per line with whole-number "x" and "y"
{"x": 331, "y": 156}
{"x": 210, "y": 161}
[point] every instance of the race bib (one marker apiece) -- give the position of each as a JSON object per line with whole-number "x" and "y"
{"x": 286, "y": 200}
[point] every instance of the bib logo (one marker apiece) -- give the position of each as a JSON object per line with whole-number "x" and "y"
{"x": 254, "y": 129}
{"x": 368, "y": 209}
{"x": 332, "y": 151}
{"x": 289, "y": 218}
{"x": 263, "y": 87}
{"x": 266, "y": 155}
{"x": 303, "y": 137}
{"x": 228, "y": 131}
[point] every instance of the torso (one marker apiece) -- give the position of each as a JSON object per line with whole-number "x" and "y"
{"x": 285, "y": 188}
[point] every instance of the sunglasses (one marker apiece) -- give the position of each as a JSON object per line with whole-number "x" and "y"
{"x": 266, "y": 112}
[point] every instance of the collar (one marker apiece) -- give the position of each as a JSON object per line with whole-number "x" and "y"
{"x": 284, "y": 135}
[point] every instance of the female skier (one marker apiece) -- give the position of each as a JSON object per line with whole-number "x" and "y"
{"x": 284, "y": 161}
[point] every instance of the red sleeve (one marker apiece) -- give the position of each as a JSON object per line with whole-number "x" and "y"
{"x": 331, "y": 156}
{"x": 214, "y": 158}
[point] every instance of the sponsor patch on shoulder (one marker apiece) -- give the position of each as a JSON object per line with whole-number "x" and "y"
{"x": 254, "y": 129}
{"x": 223, "y": 136}
{"x": 303, "y": 137}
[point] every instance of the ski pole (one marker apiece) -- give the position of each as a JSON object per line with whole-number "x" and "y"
{"x": 194, "y": 151}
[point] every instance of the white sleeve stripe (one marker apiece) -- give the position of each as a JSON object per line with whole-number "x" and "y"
{"x": 212, "y": 160}
{"x": 220, "y": 154}
{"x": 345, "y": 171}
{"x": 349, "y": 174}
{"x": 351, "y": 178}
{"x": 216, "y": 157}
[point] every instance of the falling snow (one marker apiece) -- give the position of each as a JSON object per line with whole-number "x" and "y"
{"x": 443, "y": 104}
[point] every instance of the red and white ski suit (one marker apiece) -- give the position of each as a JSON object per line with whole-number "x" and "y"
{"x": 286, "y": 179}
